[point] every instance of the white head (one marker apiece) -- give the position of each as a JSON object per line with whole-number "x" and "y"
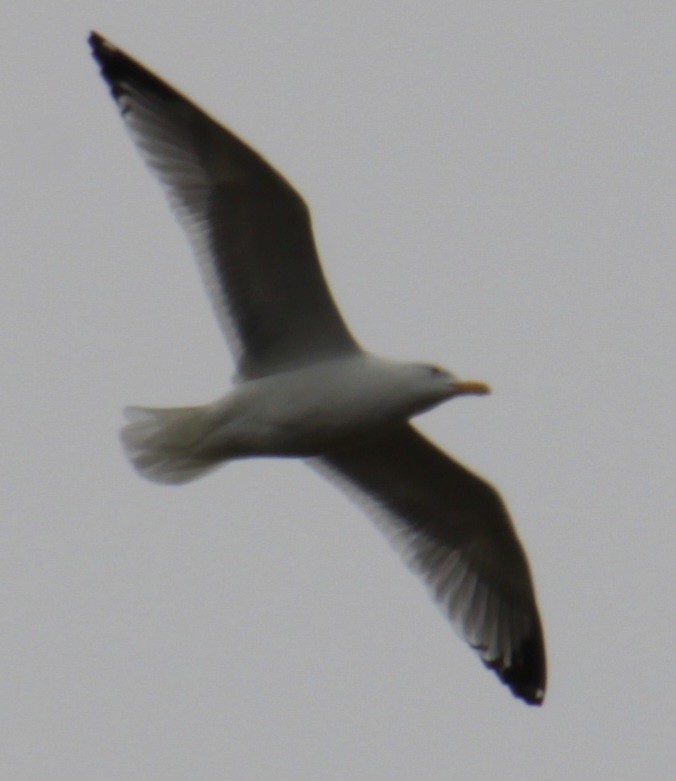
{"x": 426, "y": 385}
{"x": 443, "y": 384}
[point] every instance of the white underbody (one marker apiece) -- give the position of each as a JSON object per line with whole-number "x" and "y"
{"x": 305, "y": 412}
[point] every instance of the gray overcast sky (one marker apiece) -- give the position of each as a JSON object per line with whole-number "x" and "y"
{"x": 493, "y": 188}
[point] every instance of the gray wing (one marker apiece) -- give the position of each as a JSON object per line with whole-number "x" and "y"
{"x": 455, "y": 531}
{"x": 249, "y": 228}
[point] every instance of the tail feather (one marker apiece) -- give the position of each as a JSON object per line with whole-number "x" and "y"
{"x": 165, "y": 444}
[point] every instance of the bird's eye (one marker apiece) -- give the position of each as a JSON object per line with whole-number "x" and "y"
{"x": 435, "y": 371}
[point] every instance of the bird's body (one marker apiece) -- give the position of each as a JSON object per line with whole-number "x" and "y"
{"x": 301, "y": 412}
{"x": 304, "y": 386}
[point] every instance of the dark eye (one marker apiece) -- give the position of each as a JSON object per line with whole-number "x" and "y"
{"x": 435, "y": 371}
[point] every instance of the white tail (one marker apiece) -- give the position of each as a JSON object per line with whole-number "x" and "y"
{"x": 164, "y": 444}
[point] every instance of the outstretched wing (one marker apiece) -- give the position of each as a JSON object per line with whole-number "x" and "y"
{"x": 250, "y": 229}
{"x": 455, "y": 531}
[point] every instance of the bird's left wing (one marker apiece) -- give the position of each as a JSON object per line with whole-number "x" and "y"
{"x": 453, "y": 529}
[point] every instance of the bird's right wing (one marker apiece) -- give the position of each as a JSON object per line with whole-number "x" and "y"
{"x": 454, "y": 530}
{"x": 249, "y": 228}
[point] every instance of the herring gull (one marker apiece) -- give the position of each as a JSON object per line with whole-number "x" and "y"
{"x": 305, "y": 388}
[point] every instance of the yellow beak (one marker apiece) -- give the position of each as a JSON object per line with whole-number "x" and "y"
{"x": 471, "y": 387}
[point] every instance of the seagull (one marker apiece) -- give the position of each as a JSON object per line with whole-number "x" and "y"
{"x": 305, "y": 388}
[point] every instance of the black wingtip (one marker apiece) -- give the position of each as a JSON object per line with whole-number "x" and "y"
{"x": 95, "y": 39}
{"x": 526, "y": 675}
{"x": 123, "y": 73}
{"x": 112, "y": 61}
{"x": 102, "y": 49}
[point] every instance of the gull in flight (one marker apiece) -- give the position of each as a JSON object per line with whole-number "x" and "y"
{"x": 305, "y": 388}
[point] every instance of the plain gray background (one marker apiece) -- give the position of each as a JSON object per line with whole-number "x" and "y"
{"x": 493, "y": 188}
